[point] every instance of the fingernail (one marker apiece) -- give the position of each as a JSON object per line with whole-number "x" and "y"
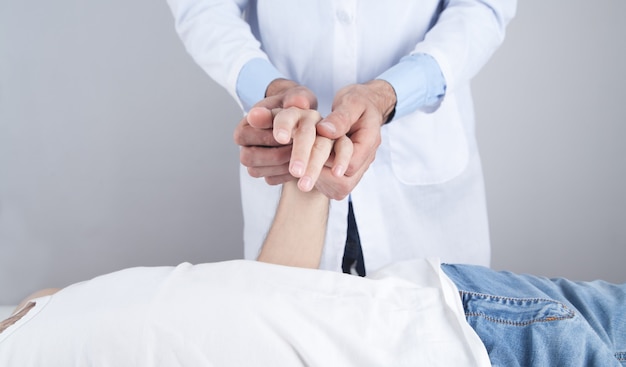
{"x": 306, "y": 183}
{"x": 297, "y": 169}
{"x": 328, "y": 126}
{"x": 339, "y": 171}
{"x": 282, "y": 136}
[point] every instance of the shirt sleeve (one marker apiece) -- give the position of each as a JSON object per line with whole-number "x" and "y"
{"x": 253, "y": 80}
{"x": 465, "y": 36}
{"x": 218, "y": 38}
{"x": 459, "y": 44}
{"x": 418, "y": 83}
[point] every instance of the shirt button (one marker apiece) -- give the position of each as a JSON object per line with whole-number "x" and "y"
{"x": 344, "y": 17}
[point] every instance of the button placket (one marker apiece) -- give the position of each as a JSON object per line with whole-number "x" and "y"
{"x": 345, "y": 44}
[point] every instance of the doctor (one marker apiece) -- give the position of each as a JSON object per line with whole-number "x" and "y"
{"x": 394, "y": 76}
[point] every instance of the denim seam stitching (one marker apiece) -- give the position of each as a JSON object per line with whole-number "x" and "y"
{"x": 570, "y": 314}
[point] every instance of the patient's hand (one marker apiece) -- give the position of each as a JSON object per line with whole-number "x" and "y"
{"x": 310, "y": 153}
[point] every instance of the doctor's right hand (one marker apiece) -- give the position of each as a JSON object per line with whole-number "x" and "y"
{"x": 260, "y": 152}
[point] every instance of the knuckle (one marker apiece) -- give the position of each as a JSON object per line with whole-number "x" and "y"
{"x": 322, "y": 145}
{"x": 268, "y": 139}
{"x": 245, "y": 157}
{"x": 282, "y": 154}
{"x": 254, "y": 172}
{"x": 306, "y": 130}
{"x": 237, "y": 136}
{"x": 287, "y": 114}
{"x": 314, "y": 114}
{"x": 352, "y": 169}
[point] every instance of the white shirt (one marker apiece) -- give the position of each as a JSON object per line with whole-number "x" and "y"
{"x": 423, "y": 196}
{"x": 244, "y": 313}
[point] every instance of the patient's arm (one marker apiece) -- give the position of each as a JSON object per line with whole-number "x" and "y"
{"x": 296, "y": 237}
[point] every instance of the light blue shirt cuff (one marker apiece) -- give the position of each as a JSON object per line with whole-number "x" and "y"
{"x": 253, "y": 80}
{"x": 418, "y": 82}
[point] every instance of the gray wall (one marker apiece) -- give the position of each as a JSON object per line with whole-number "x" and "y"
{"x": 116, "y": 150}
{"x": 552, "y": 125}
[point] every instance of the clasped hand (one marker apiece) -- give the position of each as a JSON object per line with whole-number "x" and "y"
{"x": 283, "y": 137}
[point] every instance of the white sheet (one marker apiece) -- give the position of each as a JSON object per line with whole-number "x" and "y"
{"x": 405, "y": 314}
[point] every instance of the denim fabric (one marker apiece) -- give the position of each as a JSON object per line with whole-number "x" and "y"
{"x": 525, "y": 320}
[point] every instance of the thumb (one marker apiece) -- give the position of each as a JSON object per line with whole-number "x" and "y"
{"x": 337, "y": 123}
{"x": 260, "y": 118}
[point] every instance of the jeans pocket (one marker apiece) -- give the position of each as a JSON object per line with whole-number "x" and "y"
{"x": 514, "y": 311}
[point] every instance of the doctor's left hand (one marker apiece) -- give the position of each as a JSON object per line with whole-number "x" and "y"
{"x": 260, "y": 152}
{"x": 359, "y": 111}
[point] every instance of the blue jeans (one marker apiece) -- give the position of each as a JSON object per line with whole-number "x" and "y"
{"x": 525, "y": 320}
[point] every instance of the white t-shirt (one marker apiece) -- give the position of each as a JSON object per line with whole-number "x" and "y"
{"x": 246, "y": 313}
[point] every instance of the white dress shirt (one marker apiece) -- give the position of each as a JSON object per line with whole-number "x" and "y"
{"x": 423, "y": 195}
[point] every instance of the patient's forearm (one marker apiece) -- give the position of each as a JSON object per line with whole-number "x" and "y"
{"x": 297, "y": 235}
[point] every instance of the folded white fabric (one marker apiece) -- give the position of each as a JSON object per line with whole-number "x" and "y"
{"x": 242, "y": 313}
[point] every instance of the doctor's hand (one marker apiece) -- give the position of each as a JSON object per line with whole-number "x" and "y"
{"x": 260, "y": 152}
{"x": 358, "y": 111}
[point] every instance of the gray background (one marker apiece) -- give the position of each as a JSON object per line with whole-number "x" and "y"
{"x": 116, "y": 149}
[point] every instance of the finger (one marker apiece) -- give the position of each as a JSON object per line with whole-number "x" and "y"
{"x": 288, "y": 122}
{"x": 247, "y": 136}
{"x": 285, "y": 121}
{"x": 338, "y": 188}
{"x": 366, "y": 140}
{"x": 269, "y": 171}
{"x": 343, "y": 150}
{"x": 319, "y": 154}
{"x": 362, "y": 155}
{"x": 255, "y": 156}
{"x": 278, "y": 180}
{"x": 303, "y": 140}
{"x": 333, "y": 187}
{"x": 271, "y": 102}
{"x": 297, "y": 99}
{"x": 260, "y": 117}
{"x": 340, "y": 120}
{"x": 300, "y": 97}
{"x": 294, "y": 96}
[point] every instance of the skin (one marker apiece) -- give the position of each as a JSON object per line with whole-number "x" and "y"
{"x": 296, "y": 237}
{"x": 260, "y": 152}
{"x": 358, "y": 112}
{"x": 310, "y": 153}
